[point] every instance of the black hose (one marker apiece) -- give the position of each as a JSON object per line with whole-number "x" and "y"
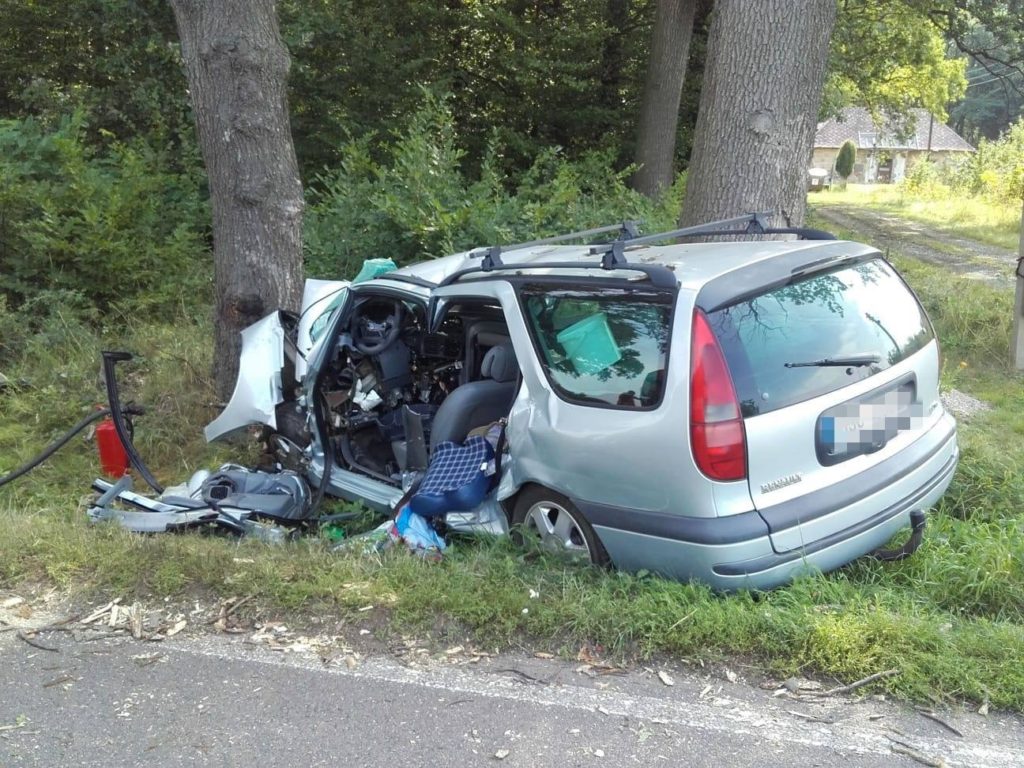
{"x": 54, "y": 447}
{"x": 117, "y": 413}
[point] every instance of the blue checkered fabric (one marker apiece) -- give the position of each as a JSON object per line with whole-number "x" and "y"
{"x": 453, "y": 466}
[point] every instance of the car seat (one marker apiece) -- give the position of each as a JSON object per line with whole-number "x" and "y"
{"x": 478, "y": 402}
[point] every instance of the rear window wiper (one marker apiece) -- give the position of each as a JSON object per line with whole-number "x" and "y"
{"x": 848, "y": 360}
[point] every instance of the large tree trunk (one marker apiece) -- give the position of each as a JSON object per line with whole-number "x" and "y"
{"x": 758, "y": 109}
{"x": 237, "y": 67}
{"x": 663, "y": 87}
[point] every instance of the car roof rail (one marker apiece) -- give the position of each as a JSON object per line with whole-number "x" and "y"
{"x": 613, "y": 253}
{"x": 755, "y": 224}
{"x": 628, "y": 230}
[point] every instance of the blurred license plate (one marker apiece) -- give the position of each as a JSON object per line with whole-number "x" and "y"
{"x": 867, "y": 424}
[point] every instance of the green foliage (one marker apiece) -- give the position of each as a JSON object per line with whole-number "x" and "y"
{"x": 111, "y": 225}
{"x": 417, "y": 203}
{"x": 992, "y": 103}
{"x": 925, "y": 180}
{"x": 996, "y": 170}
{"x": 115, "y": 59}
{"x": 538, "y": 74}
{"x": 890, "y": 56}
{"x": 846, "y": 158}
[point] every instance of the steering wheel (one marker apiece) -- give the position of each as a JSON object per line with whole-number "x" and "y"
{"x": 371, "y": 337}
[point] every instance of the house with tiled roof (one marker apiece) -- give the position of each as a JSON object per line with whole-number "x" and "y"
{"x": 885, "y": 152}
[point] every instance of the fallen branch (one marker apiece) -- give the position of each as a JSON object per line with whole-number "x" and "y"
{"x": 861, "y": 683}
{"x": 913, "y": 754}
{"x": 61, "y": 625}
{"x": 103, "y": 636}
{"x": 525, "y": 677}
{"x": 935, "y": 718}
{"x": 59, "y": 681}
{"x": 812, "y": 718}
{"x": 100, "y": 612}
{"x": 226, "y": 610}
{"x": 25, "y": 638}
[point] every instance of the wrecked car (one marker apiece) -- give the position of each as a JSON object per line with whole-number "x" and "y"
{"x": 732, "y": 412}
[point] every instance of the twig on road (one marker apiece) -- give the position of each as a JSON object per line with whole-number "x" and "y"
{"x": 35, "y": 644}
{"x": 935, "y": 718}
{"x": 59, "y": 681}
{"x": 227, "y": 609}
{"x": 525, "y": 677}
{"x": 861, "y": 683}
{"x": 913, "y": 754}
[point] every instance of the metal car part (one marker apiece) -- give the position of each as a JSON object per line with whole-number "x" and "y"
{"x": 259, "y": 389}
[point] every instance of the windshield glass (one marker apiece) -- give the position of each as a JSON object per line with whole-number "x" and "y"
{"x": 777, "y": 344}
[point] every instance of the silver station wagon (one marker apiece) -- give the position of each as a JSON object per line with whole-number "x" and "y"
{"x": 735, "y": 412}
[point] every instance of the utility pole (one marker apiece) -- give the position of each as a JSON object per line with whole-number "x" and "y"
{"x": 1017, "y": 345}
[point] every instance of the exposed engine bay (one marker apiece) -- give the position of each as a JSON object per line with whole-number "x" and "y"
{"x": 389, "y": 375}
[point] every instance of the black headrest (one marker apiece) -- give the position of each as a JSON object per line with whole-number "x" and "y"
{"x": 500, "y": 364}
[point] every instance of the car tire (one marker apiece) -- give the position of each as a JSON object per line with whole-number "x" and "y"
{"x": 549, "y": 520}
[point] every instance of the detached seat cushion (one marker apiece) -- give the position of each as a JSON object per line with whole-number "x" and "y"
{"x": 456, "y": 480}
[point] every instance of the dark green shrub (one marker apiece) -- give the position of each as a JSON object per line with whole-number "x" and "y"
{"x": 113, "y": 226}
{"x": 417, "y": 202}
{"x": 845, "y": 159}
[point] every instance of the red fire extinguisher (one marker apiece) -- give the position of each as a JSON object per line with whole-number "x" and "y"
{"x": 113, "y": 457}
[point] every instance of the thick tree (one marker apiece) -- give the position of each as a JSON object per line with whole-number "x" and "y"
{"x": 663, "y": 87}
{"x": 237, "y": 68}
{"x": 759, "y": 108}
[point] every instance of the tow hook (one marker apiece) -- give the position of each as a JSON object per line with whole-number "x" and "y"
{"x": 917, "y": 526}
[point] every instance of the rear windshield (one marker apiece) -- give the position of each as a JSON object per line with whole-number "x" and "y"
{"x": 863, "y": 313}
{"x": 604, "y": 348}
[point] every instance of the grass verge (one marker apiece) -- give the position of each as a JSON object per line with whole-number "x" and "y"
{"x": 951, "y": 618}
{"x": 976, "y": 218}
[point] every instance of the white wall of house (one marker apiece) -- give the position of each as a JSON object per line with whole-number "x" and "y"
{"x": 865, "y": 167}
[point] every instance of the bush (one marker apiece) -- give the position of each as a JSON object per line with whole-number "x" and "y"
{"x": 845, "y": 159}
{"x": 417, "y": 203}
{"x": 110, "y": 225}
{"x": 926, "y": 180}
{"x": 996, "y": 170}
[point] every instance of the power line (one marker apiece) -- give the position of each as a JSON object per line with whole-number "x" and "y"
{"x": 979, "y": 76}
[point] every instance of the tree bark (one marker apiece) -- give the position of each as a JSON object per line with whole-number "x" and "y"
{"x": 663, "y": 87}
{"x": 237, "y": 68}
{"x": 759, "y": 109}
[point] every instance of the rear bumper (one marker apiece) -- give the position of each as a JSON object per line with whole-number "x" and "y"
{"x": 736, "y": 552}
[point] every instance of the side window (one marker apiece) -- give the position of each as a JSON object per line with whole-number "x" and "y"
{"x": 316, "y": 330}
{"x": 606, "y": 348}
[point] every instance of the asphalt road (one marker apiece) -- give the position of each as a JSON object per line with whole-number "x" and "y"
{"x": 215, "y": 700}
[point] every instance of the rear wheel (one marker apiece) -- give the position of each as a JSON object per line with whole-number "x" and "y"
{"x": 549, "y": 519}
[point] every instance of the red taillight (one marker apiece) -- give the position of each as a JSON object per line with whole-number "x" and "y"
{"x": 716, "y": 425}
